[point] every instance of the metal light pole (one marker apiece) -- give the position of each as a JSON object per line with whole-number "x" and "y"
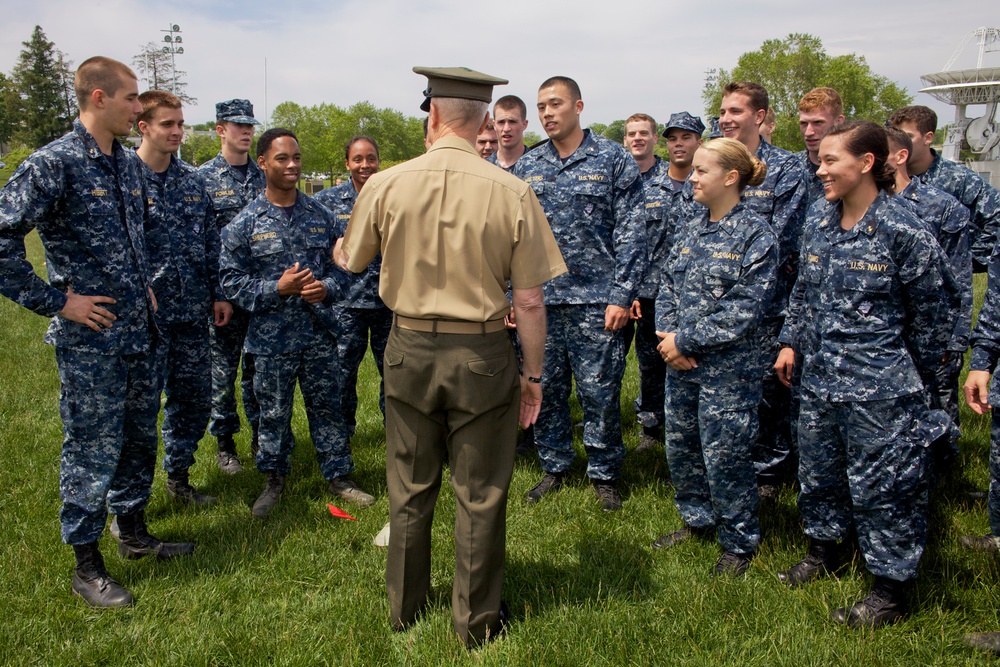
{"x": 173, "y": 38}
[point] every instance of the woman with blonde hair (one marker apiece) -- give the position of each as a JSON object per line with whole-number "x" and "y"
{"x": 716, "y": 282}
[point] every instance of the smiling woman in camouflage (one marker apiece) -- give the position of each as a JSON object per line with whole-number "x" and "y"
{"x": 718, "y": 279}
{"x": 870, "y": 316}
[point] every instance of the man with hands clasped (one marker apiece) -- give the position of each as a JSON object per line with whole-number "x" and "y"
{"x": 277, "y": 264}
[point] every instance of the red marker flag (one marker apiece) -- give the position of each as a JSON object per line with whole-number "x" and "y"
{"x": 339, "y": 513}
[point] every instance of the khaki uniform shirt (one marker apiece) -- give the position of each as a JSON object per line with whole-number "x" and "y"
{"x": 452, "y": 229}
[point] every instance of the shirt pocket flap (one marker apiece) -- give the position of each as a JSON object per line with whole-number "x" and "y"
{"x": 868, "y": 281}
{"x": 265, "y": 246}
{"x": 592, "y": 189}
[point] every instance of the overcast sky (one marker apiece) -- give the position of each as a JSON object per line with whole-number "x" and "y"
{"x": 635, "y": 56}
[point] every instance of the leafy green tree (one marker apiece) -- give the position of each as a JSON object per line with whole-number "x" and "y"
{"x": 324, "y": 129}
{"x": 200, "y": 148}
{"x": 789, "y": 68}
{"x": 12, "y": 161}
{"x": 597, "y": 128}
{"x": 9, "y": 107}
{"x": 532, "y": 138}
{"x": 399, "y": 137}
{"x": 615, "y": 131}
{"x": 46, "y": 106}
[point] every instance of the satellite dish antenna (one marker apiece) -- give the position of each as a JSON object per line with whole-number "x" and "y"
{"x": 975, "y": 86}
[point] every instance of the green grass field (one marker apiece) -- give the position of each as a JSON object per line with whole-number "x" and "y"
{"x": 584, "y": 587}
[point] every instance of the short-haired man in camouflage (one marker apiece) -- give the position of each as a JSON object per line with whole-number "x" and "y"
{"x": 85, "y": 195}
{"x": 183, "y": 245}
{"x": 233, "y": 180}
{"x": 592, "y": 195}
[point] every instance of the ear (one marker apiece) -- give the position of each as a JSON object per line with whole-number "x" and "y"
{"x": 928, "y": 138}
{"x": 578, "y": 105}
{"x": 732, "y": 178}
{"x": 482, "y": 126}
{"x": 97, "y": 98}
{"x": 867, "y": 162}
{"x": 143, "y": 127}
{"x": 261, "y": 160}
{"x": 759, "y": 115}
{"x": 220, "y": 129}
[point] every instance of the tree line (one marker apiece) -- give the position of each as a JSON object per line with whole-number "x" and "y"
{"x": 37, "y": 103}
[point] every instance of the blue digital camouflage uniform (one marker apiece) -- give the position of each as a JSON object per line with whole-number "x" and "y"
{"x": 713, "y": 293}
{"x": 493, "y": 159}
{"x": 594, "y": 203}
{"x": 811, "y": 182}
{"x": 89, "y": 211}
{"x": 782, "y": 200}
{"x": 359, "y": 311}
{"x": 230, "y": 192}
{"x": 814, "y": 193}
{"x": 659, "y": 195}
{"x": 289, "y": 338}
{"x": 948, "y": 221}
{"x": 985, "y": 353}
{"x": 978, "y": 196}
{"x": 871, "y": 316}
{"x": 183, "y": 245}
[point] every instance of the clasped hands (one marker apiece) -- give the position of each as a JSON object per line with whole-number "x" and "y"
{"x": 668, "y": 350}
{"x": 301, "y": 282}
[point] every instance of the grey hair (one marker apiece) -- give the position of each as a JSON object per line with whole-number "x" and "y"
{"x": 459, "y": 111}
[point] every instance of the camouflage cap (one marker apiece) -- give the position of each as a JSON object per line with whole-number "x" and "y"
{"x": 235, "y": 111}
{"x": 685, "y": 121}
{"x": 460, "y": 82}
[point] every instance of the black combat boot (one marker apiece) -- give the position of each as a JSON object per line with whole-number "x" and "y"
{"x": 551, "y": 482}
{"x": 885, "y": 604}
{"x": 136, "y": 541}
{"x": 270, "y": 495}
{"x": 526, "y": 442}
{"x": 652, "y": 438}
{"x": 822, "y": 558}
{"x": 668, "y": 540}
{"x": 226, "y": 457}
{"x": 93, "y": 583}
{"x": 179, "y": 488}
